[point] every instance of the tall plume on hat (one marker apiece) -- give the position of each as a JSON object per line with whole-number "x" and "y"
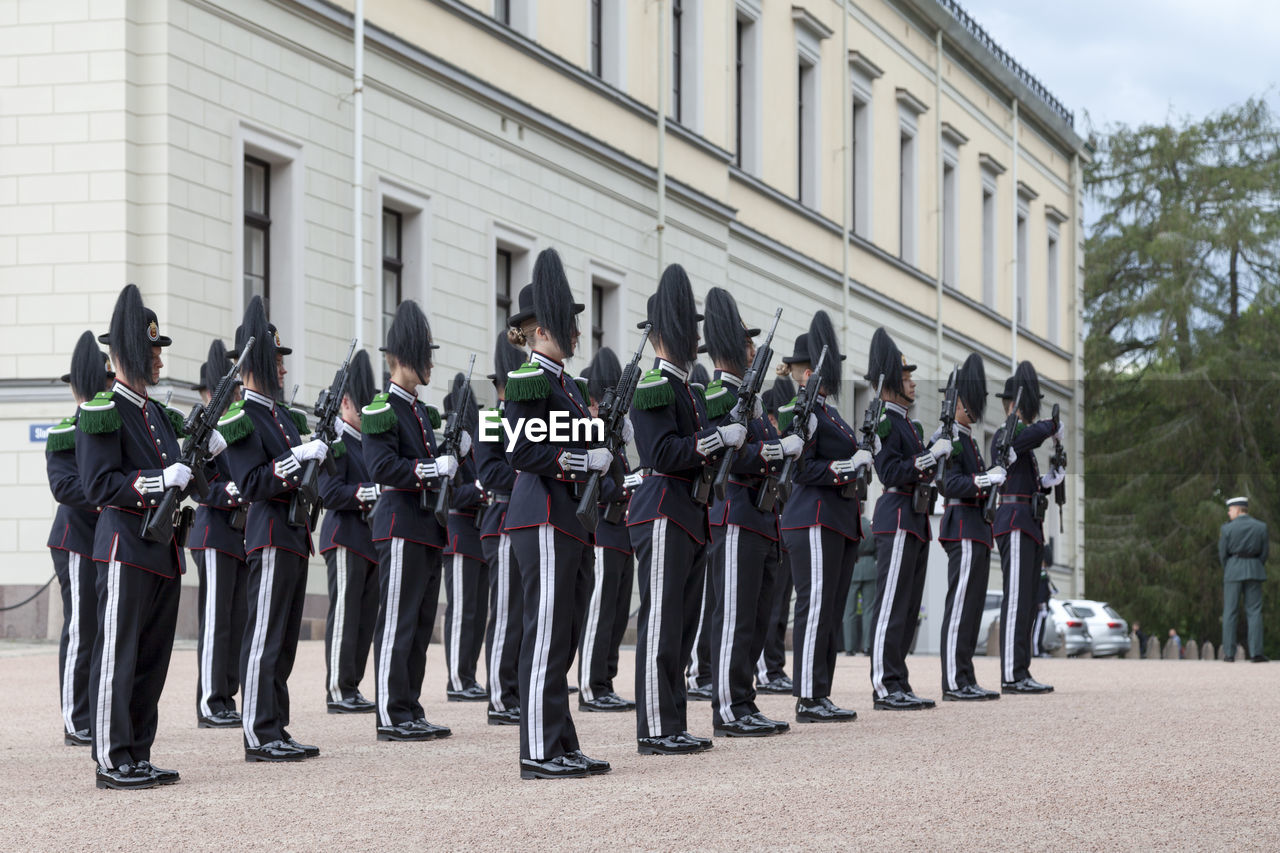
{"x": 675, "y": 316}
{"x": 553, "y": 300}
{"x": 409, "y": 339}
{"x": 603, "y": 373}
{"x": 130, "y": 346}
{"x": 971, "y": 386}
{"x": 216, "y": 364}
{"x": 724, "y": 332}
{"x": 1025, "y": 378}
{"x": 360, "y": 386}
{"x": 507, "y": 357}
{"x": 884, "y": 357}
{"x": 823, "y": 333}
{"x": 451, "y": 401}
{"x": 88, "y": 373}
{"x": 260, "y": 366}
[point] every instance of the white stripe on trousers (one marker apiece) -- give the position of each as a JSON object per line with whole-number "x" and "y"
{"x": 339, "y": 622}
{"x": 210, "y": 617}
{"x": 957, "y": 606}
{"x": 500, "y": 616}
{"x": 1036, "y": 630}
{"x": 587, "y": 655}
{"x": 455, "y": 624}
{"x": 815, "y": 610}
{"x": 107, "y": 670}
{"x": 73, "y": 644}
{"x": 391, "y": 615}
{"x": 886, "y": 610}
{"x": 542, "y": 642}
{"x": 657, "y": 570}
{"x": 1011, "y": 606}
{"x": 728, "y": 624}
{"x": 696, "y": 663}
{"x": 253, "y": 672}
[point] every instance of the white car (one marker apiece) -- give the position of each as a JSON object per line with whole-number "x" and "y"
{"x": 1063, "y": 626}
{"x": 1108, "y": 632}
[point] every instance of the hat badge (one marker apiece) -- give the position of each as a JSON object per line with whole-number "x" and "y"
{"x": 277, "y": 336}
{"x": 153, "y": 332}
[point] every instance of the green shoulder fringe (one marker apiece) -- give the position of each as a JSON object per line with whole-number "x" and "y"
{"x": 653, "y": 391}
{"x": 719, "y": 399}
{"x": 919, "y": 430}
{"x": 300, "y": 421}
{"x": 433, "y": 417}
{"x": 582, "y": 386}
{"x": 177, "y": 420}
{"x": 63, "y": 436}
{"x": 786, "y": 414}
{"x": 236, "y": 424}
{"x": 99, "y": 415}
{"x": 884, "y": 427}
{"x": 338, "y": 449}
{"x": 378, "y": 416}
{"x": 528, "y": 382}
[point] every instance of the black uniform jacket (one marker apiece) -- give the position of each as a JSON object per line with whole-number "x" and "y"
{"x": 1023, "y": 481}
{"x": 211, "y": 526}
{"x": 392, "y": 451}
{"x": 816, "y": 498}
{"x": 901, "y": 465}
{"x": 75, "y": 518}
{"x": 495, "y": 473}
{"x": 760, "y": 457}
{"x": 344, "y": 525}
{"x": 464, "y": 502}
{"x": 962, "y": 517}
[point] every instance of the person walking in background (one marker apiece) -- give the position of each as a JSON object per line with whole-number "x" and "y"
{"x": 1242, "y": 549}
{"x": 862, "y": 592}
{"x": 1176, "y": 642}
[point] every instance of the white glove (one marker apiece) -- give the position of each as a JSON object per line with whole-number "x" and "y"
{"x": 217, "y": 443}
{"x": 757, "y": 408}
{"x": 176, "y": 474}
{"x": 813, "y": 424}
{"x": 876, "y": 444}
{"x": 792, "y": 445}
{"x": 1053, "y": 478}
{"x": 464, "y": 444}
{"x": 937, "y": 433}
{"x": 1010, "y": 458}
{"x": 1061, "y": 432}
{"x": 632, "y": 481}
{"x": 367, "y": 494}
{"x": 628, "y": 431}
{"x": 446, "y": 466}
{"x": 313, "y": 449}
{"x": 941, "y": 448}
{"x": 862, "y": 460}
{"x": 733, "y": 435}
{"x": 599, "y": 459}
{"x": 993, "y": 476}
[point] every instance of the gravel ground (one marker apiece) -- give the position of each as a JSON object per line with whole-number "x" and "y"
{"x": 1145, "y": 754}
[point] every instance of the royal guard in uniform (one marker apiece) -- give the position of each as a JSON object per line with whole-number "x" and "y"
{"x": 1019, "y": 527}
{"x": 216, "y": 543}
{"x": 506, "y": 611}
{"x": 346, "y": 543}
{"x": 771, "y": 667}
{"x": 820, "y": 523}
{"x": 551, "y": 545}
{"x": 466, "y": 574}
{"x": 613, "y": 566}
{"x": 698, "y": 672}
{"x": 71, "y": 545}
{"x": 742, "y": 558}
{"x": 667, "y": 518}
{"x": 128, "y": 456}
{"x": 265, "y": 458}
{"x": 906, "y": 469}
{"x": 966, "y": 536}
{"x": 400, "y": 451}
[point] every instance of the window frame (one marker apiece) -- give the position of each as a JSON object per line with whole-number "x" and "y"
{"x": 258, "y": 221}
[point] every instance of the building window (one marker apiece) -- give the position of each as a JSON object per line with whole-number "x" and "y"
{"x": 991, "y": 169}
{"x": 862, "y": 72}
{"x": 1051, "y": 279}
{"x": 604, "y": 284}
{"x": 502, "y": 295}
{"x": 512, "y": 270}
{"x": 740, "y": 58}
{"x": 597, "y": 38}
{"x": 519, "y": 15}
{"x": 597, "y": 317}
{"x": 1021, "y": 271}
{"x": 257, "y": 229}
{"x": 747, "y": 86}
{"x": 809, "y": 33}
{"x": 910, "y": 108}
{"x": 607, "y": 41}
{"x": 677, "y": 59}
{"x": 803, "y": 74}
{"x": 949, "y": 249}
{"x": 502, "y": 11}
{"x": 392, "y": 267}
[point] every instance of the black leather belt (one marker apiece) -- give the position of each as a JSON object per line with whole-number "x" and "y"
{"x": 973, "y": 504}
{"x": 1014, "y": 499}
{"x": 500, "y": 498}
{"x": 895, "y": 491}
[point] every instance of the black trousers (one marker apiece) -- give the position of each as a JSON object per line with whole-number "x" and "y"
{"x": 78, "y": 580}
{"x": 901, "y": 561}
{"x": 606, "y": 620}
{"x": 137, "y": 615}
{"x": 409, "y": 592}
{"x": 506, "y": 623}
{"x": 821, "y": 567}
{"x": 671, "y": 568}
{"x": 353, "y": 610}
{"x": 698, "y": 673}
{"x": 741, "y": 573}
{"x": 556, "y": 578}
{"x": 222, "y": 608}
{"x": 968, "y": 565}
{"x": 466, "y": 588}
{"x": 276, "y": 589}
{"x": 1020, "y": 557}
{"x": 772, "y": 664}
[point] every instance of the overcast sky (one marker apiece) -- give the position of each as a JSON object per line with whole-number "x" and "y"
{"x": 1135, "y": 61}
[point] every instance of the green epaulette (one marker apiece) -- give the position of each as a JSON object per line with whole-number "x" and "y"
{"x": 919, "y": 430}
{"x": 720, "y": 399}
{"x": 653, "y": 391}
{"x": 235, "y": 425}
{"x": 99, "y": 415}
{"x": 582, "y": 386}
{"x": 338, "y": 449}
{"x": 177, "y": 420}
{"x": 63, "y": 436}
{"x": 527, "y": 382}
{"x": 378, "y": 416}
{"x": 433, "y": 417}
{"x": 884, "y": 427}
{"x": 786, "y": 414}
{"x": 1019, "y": 427}
{"x": 700, "y": 391}
{"x": 300, "y": 421}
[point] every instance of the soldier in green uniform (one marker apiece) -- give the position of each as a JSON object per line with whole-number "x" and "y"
{"x": 1242, "y": 550}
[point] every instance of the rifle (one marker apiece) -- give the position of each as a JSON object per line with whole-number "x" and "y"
{"x": 167, "y": 397}
{"x": 613, "y": 411}
{"x": 1004, "y": 440}
{"x": 748, "y": 393}
{"x": 1058, "y": 460}
{"x": 780, "y": 486}
{"x": 304, "y": 507}
{"x": 946, "y": 421}
{"x": 870, "y": 423}
{"x": 450, "y": 446}
{"x": 157, "y": 522}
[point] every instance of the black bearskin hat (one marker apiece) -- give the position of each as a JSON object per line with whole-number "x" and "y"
{"x": 603, "y": 373}
{"x": 261, "y": 363}
{"x": 674, "y": 315}
{"x": 885, "y": 357}
{"x": 469, "y": 418}
{"x": 133, "y": 332}
{"x": 360, "y": 380}
{"x": 409, "y": 338}
{"x": 779, "y": 394}
{"x": 1025, "y": 378}
{"x": 553, "y": 300}
{"x": 698, "y": 375}
{"x": 506, "y": 358}
{"x": 89, "y": 373}
{"x": 216, "y": 365}
{"x": 726, "y": 334}
{"x": 971, "y": 386}
{"x": 823, "y": 333}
